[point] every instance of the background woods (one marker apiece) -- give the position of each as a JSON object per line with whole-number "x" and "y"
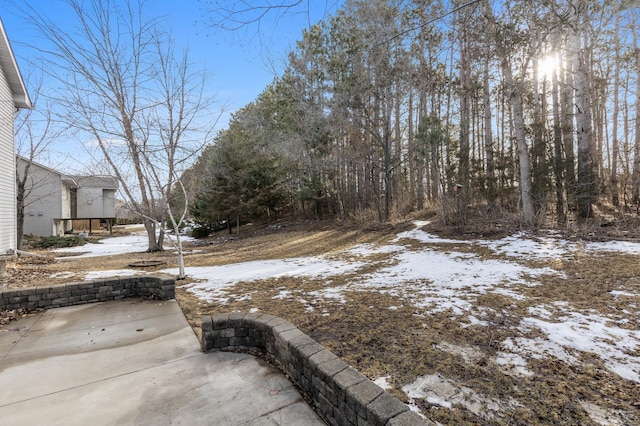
{"x": 485, "y": 106}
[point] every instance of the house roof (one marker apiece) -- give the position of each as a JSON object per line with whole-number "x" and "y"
{"x": 78, "y": 181}
{"x": 12, "y": 72}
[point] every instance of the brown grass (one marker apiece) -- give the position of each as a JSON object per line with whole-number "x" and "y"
{"x": 402, "y": 342}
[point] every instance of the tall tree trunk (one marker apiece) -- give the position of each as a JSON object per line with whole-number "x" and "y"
{"x": 463, "y": 166}
{"x": 397, "y": 163}
{"x": 488, "y": 136}
{"x": 421, "y": 151}
{"x": 515, "y": 91}
{"x": 515, "y": 97}
{"x": 150, "y": 227}
{"x": 538, "y": 149}
{"x": 584, "y": 133}
{"x": 387, "y": 142}
{"x": 567, "y": 129}
{"x": 558, "y": 164}
{"x": 411, "y": 154}
{"x": 615, "y": 146}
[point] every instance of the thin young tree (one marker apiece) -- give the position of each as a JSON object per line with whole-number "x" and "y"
{"x": 34, "y": 132}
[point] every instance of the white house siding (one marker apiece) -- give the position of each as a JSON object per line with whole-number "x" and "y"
{"x": 96, "y": 197}
{"x": 43, "y": 203}
{"x": 48, "y": 200}
{"x": 65, "y": 202}
{"x": 90, "y": 203}
{"x": 109, "y": 203}
{"x": 7, "y": 170}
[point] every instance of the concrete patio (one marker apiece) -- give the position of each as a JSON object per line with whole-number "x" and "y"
{"x": 134, "y": 362}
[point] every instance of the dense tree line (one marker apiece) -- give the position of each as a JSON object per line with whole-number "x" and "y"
{"x": 393, "y": 105}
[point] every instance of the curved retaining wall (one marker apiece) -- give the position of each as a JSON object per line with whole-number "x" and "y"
{"x": 57, "y": 296}
{"x": 342, "y": 395}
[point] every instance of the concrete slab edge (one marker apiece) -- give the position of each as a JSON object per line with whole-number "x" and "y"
{"x": 159, "y": 286}
{"x": 341, "y": 394}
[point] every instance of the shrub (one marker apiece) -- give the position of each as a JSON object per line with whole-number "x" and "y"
{"x": 200, "y": 232}
{"x": 59, "y": 242}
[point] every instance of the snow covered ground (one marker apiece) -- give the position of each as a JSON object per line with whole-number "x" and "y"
{"x": 134, "y": 243}
{"x": 442, "y": 275}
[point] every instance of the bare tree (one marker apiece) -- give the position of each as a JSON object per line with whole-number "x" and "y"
{"x": 34, "y": 132}
{"x": 124, "y": 86}
{"x": 241, "y": 14}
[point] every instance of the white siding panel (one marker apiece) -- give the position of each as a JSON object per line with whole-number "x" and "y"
{"x": 90, "y": 204}
{"x": 38, "y": 225}
{"x": 7, "y": 170}
{"x": 109, "y": 200}
{"x": 43, "y": 200}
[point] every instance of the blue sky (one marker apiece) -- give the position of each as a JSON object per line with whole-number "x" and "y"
{"x": 241, "y": 63}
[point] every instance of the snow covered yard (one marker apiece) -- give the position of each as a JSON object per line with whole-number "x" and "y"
{"x": 527, "y": 329}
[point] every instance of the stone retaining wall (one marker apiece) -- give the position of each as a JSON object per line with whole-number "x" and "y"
{"x": 342, "y": 395}
{"x": 78, "y": 293}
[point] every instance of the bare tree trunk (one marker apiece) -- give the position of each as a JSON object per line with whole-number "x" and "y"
{"x": 615, "y": 148}
{"x": 488, "y": 136}
{"x": 567, "y": 130}
{"x": 463, "y": 166}
{"x": 150, "y": 227}
{"x": 538, "y": 147}
{"x": 397, "y": 182}
{"x": 515, "y": 91}
{"x": 558, "y": 167}
{"x": 411, "y": 154}
{"x": 586, "y": 165}
{"x": 523, "y": 151}
{"x": 388, "y": 190}
{"x": 20, "y": 217}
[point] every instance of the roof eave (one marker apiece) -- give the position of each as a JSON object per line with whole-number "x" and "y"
{"x": 12, "y": 72}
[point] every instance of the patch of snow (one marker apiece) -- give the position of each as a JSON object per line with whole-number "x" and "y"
{"x": 475, "y": 321}
{"x": 513, "y": 364}
{"x": 333, "y": 293}
{"x": 133, "y": 243}
{"x": 215, "y": 279}
{"x": 470, "y": 354}
{"x": 383, "y": 382}
{"x": 586, "y": 333}
{"x": 441, "y": 281}
{"x": 427, "y": 238}
{"x": 626, "y": 247}
{"x": 95, "y": 275}
{"x": 521, "y": 246}
{"x": 371, "y": 249}
{"x": 284, "y": 294}
{"x": 616, "y": 293}
{"x": 439, "y": 390}
{"x": 601, "y": 415}
{"x": 254, "y": 310}
{"x": 62, "y": 275}
{"x": 539, "y": 311}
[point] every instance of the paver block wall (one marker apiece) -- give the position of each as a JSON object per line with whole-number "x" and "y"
{"x": 78, "y": 293}
{"x": 342, "y": 395}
